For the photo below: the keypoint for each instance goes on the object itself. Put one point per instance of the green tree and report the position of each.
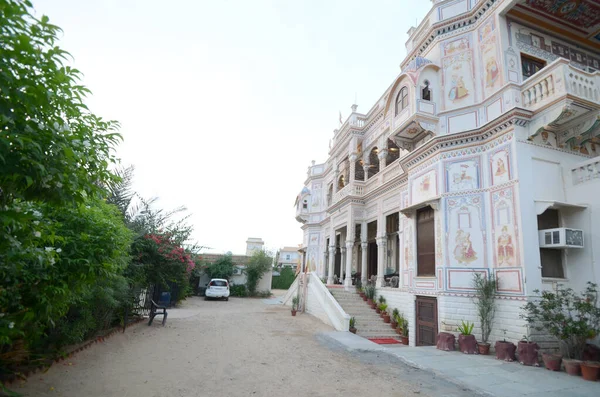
(259, 264)
(221, 268)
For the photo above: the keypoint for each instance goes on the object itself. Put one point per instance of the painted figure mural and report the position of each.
(458, 78)
(489, 58)
(457, 88)
(500, 165)
(506, 252)
(491, 72)
(462, 175)
(463, 250)
(424, 186)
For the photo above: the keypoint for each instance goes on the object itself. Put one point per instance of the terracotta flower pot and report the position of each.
(399, 331)
(505, 350)
(552, 361)
(393, 324)
(590, 370)
(467, 344)
(352, 329)
(484, 348)
(404, 340)
(378, 310)
(386, 318)
(445, 341)
(572, 367)
(293, 312)
(528, 353)
(364, 297)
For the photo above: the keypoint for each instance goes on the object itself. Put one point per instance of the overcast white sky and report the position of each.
(224, 103)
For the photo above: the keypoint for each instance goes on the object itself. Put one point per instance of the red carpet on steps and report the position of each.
(384, 341)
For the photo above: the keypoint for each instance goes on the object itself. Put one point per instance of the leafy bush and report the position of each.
(485, 288)
(569, 317)
(238, 290)
(221, 268)
(258, 265)
(284, 280)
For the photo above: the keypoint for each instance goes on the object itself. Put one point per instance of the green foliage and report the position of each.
(404, 327)
(383, 307)
(358, 285)
(259, 263)
(238, 290)
(352, 322)
(400, 320)
(381, 299)
(284, 280)
(221, 268)
(295, 301)
(466, 328)
(53, 148)
(485, 301)
(395, 313)
(370, 291)
(571, 318)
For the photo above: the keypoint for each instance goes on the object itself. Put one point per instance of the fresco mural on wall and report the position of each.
(463, 174)
(490, 58)
(458, 73)
(504, 230)
(465, 231)
(500, 167)
(424, 186)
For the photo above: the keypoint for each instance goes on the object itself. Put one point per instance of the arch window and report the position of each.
(426, 92)
(401, 100)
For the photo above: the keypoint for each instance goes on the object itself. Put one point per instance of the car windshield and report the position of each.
(218, 283)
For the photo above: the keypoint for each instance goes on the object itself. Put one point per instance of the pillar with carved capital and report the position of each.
(382, 155)
(342, 262)
(363, 268)
(331, 263)
(381, 256)
(349, 251)
(352, 160)
(325, 269)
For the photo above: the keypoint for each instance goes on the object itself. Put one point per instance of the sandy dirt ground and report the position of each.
(243, 347)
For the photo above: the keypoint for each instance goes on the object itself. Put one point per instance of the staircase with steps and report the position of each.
(368, 322)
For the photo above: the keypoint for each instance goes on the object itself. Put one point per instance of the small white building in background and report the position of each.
(254, 244)
(481, 157)
(288, 257)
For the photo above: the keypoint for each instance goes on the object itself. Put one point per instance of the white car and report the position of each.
(217, 288)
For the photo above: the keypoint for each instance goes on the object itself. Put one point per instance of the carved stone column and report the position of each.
(382, 155)
(325, 269)
(331, 264)
(349, 252)
(342, 262)
(381, 256)
(352, 165)
(363, 269)
(366, 169)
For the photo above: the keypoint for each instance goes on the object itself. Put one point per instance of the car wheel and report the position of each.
(227, 299)
(206, 298)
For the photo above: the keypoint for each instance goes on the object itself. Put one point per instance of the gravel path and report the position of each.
(243, 347)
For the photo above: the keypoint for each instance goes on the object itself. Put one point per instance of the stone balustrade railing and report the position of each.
(586, 171)
(558, 79)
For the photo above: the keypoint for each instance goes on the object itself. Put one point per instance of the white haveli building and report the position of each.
(490, 133)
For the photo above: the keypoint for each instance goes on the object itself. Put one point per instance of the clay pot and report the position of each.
(484, 348)
(528, 353)
(572, 367)
(399, 331)
(505, 350)
(404, 340)
(467, 344)
(364, 297)
(293, 312)
(352, 329)
(552, 361)
(445, 341)
(590, 370)
(393, 324)
(386, 319)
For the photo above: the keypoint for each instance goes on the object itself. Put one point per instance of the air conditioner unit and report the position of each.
(237, 270)
(561, 237)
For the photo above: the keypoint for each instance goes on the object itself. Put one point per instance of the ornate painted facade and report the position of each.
(491, 129)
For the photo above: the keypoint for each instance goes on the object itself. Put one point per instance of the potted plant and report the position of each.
(466, 340)
(590, 370)
(352, 325)
(505, 350)
(400, 321)
(381, 302)
(384, 314)
(358, 287)
(570, 317)
(404, 336)
(394, 318)
(552, 361)
(370, 294)
(295, 301)
(528, 352)
(485, 302)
